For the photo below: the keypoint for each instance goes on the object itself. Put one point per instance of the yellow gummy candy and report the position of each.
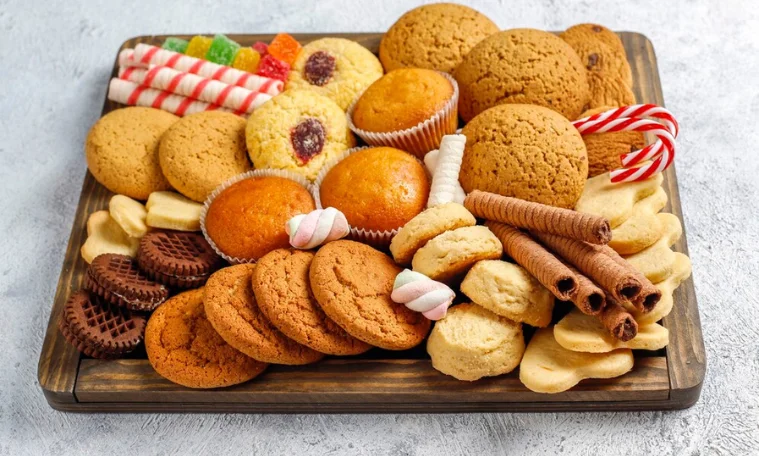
(198, 46)
(247, 60)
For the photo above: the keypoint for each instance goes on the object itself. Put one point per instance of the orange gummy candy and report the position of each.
(285, 48)
(247, 60)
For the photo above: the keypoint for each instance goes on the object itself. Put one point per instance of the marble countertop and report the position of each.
(56, 56)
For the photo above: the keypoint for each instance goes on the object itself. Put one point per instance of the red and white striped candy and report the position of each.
(130, 93)
(241, 100)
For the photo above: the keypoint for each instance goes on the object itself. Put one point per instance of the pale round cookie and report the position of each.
(472, 342)
(425, 226)
(449, 256)
(522, 66)
(233, 311)
(283, 293)
(352, 282)
(527, 152)
(203, 150)
(435, 36)
(184, 348)
(337, 68)
(122, 151)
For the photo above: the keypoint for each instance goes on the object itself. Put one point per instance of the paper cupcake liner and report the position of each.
(423, 137)
(240, 177)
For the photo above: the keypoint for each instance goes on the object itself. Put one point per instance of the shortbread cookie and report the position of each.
(510, 291)
(203, 150)
(129, 214)
(657, 261)
(118, 280)
(680, 272)
(615, 201)
(122, 150)
(472, 342)
(104, 235)
(643, 228)
(283, 294)
(605, 149)
(547, 367)
(425, 226)
(449, 256)
(184, 348)
(585, 333)
(233, 311)
(173, 211)
(352, 283)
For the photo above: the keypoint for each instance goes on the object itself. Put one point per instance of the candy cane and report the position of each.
(644, 110)
(129, 93)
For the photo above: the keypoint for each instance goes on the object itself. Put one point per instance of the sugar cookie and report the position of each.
(680, 272)
(656, 262)
(585, 333)
(173, 211)
(104, 235)
(643, 228)
(449, 256)
(129, 214)
(614, 201)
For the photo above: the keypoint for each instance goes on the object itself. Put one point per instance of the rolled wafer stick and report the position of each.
(621, 283)
(649, 293)
(539, 262)
(129, 93)
(589, 297)
(618, 321)
(539, 217)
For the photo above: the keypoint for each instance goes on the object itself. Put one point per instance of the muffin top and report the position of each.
(379, 188)
(436, 36)
(247, 219)
(401, 99)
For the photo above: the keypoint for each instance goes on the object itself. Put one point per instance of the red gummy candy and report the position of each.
(273, 68)
(261, 47)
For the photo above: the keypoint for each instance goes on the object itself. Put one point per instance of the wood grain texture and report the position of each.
(371, 383)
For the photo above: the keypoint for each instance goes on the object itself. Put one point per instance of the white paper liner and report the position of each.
(421, 138)
(240, 177)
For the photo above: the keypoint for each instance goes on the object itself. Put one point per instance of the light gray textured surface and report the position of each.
(55, 57)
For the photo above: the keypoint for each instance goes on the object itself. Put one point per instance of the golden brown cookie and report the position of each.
(522, 66)
(352, 282)
(203, 150)
(283, 293)
(184, 348)
(233, 311)
(436, 36)
(122, 150)
(527, 152)
(449, 256)
(604, 149)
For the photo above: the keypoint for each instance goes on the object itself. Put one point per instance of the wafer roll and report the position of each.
(649, 293)
(539, 262)
(619, 282)
(539, 217)
(589, 297)
(618, 321)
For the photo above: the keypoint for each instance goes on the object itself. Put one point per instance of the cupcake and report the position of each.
(410, 109)
(337, 68)
(297, 131)
(436, 37)
(245, 218)
(378, 189)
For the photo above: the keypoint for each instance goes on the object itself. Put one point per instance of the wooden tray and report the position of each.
(379, 381)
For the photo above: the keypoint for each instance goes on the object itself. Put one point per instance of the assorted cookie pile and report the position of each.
(317, 200)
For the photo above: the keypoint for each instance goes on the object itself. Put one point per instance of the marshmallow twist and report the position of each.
(444, 165)
(320, 226)
(422, 294)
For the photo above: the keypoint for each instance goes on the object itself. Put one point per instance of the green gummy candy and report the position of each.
(222, 50)
(175, 44)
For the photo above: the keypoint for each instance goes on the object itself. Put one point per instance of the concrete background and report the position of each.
(55, 57)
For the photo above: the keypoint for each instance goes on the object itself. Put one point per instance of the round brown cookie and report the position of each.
(99, 329)
(283, 293)
(435, 36)
(604, 149)
(184, 348)
(233, 311)
(522, 66)
(118, 280)
(122, 150)
(527, 152)
(352, 282)
(177, 258)
(202, 150)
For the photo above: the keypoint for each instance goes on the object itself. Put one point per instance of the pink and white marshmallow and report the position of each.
(318, 227)
(422, 294)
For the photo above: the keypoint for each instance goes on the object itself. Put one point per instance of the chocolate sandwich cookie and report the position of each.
(99, 329)
(118, 280)
(177, 259)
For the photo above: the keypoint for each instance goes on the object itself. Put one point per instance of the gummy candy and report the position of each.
(261, 47)
(198, 46)
(273, 68)
(175, 44)
(285, 48)
(222, 50)
(247, 60)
